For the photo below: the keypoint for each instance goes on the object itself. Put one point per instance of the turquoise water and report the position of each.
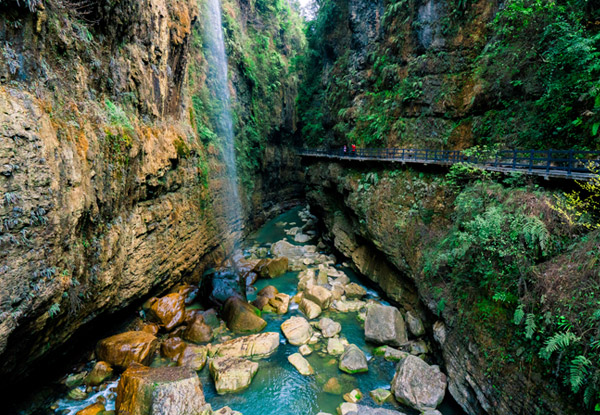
(278, 388)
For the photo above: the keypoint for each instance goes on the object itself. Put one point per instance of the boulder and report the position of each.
(337, 291)
(76, 379)
(125, 348)
(242, 317)
(286, 249)
(353, 396)
(418, 347)
(354, 291)
(333, 386)
(415, 325)
(172, 348)
(271, 268)
(353, 360)
(328, 327)
(309, 309)
(306, 279)
(198, 331)
(269, 291)
(301, 364)
(189, 292)
(232, 374)
(385, 325)
(335, 347)
(278, 304)
(160, 391)
(93, 409)
(99, 374)
(256, 346)
(380, 396)
(430, 411)
(226, 411)
(297, 330)
(417, 384)
(77, 394)
(348, 306)
(193, 357)
(319, 295)
(168, 311)
(322, 277)
(151, 328)
(301, 238)
(219, 286)
(305, 350)
(348, 408)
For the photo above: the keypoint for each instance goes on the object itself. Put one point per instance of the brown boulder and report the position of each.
(198, 331)
(160, 391)
(193, 357)
(151, 328)
(125, 348)
(99, 374)
(242, 317)
(168, 311)
(172, 348)
(271, 268)
(93, 409)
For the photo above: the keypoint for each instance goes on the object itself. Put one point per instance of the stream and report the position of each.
(278, 388)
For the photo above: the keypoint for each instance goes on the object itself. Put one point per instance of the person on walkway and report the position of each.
(354, 149)
(345, 149)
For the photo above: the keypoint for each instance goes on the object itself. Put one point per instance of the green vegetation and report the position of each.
(510, 261)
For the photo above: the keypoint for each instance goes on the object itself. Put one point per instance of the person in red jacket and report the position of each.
(353, 150)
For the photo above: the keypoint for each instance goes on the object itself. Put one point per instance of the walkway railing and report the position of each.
(569, 164)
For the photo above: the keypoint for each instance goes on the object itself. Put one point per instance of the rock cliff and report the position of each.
(112, 179)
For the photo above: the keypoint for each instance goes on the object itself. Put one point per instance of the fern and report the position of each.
(557, 342)
(530, 325)
(519, 314)
(579, 372)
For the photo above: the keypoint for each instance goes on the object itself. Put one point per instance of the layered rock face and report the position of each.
(372, 228)
(108, 190)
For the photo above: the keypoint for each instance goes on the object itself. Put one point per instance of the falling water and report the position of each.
(219, 86)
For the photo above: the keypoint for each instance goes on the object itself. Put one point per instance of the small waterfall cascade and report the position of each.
(218, 82)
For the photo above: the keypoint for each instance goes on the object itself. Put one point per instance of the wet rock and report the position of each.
(198, 331)
(415, 325)
(278, 304)
(309, 308)
(172, 348)
(232, 374)
(353, 360)
(269, 291)
(271, 268)
(394, 355)
(168, 311)
(257, 346)
(301, 238)
(297, 330)
(125, 348)
(322, 277)
(418, 347)
(439, 332)
(242, 317)
(189, 292)
(301, 364)
(260, 302)
(77, 394)
(333, 387)
(74, 380)
(348, 408)
(219, 286)
(385, 325)
(286, 249)
(348, 306)
(417, 384)
(328, 327)
(337, 291)
(335, 347)
(100, 372)
(353, 396)
(93, 409)
(354, 291)
(151, 328)
(160, 391)
(305, 350)
(193, 357)
(380, 396)
(226, 411)
(318, 295)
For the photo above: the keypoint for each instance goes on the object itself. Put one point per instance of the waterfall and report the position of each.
(218, 83)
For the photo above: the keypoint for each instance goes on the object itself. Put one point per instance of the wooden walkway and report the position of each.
(563, 164)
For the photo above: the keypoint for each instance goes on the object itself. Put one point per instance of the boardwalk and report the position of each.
(564, 164)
